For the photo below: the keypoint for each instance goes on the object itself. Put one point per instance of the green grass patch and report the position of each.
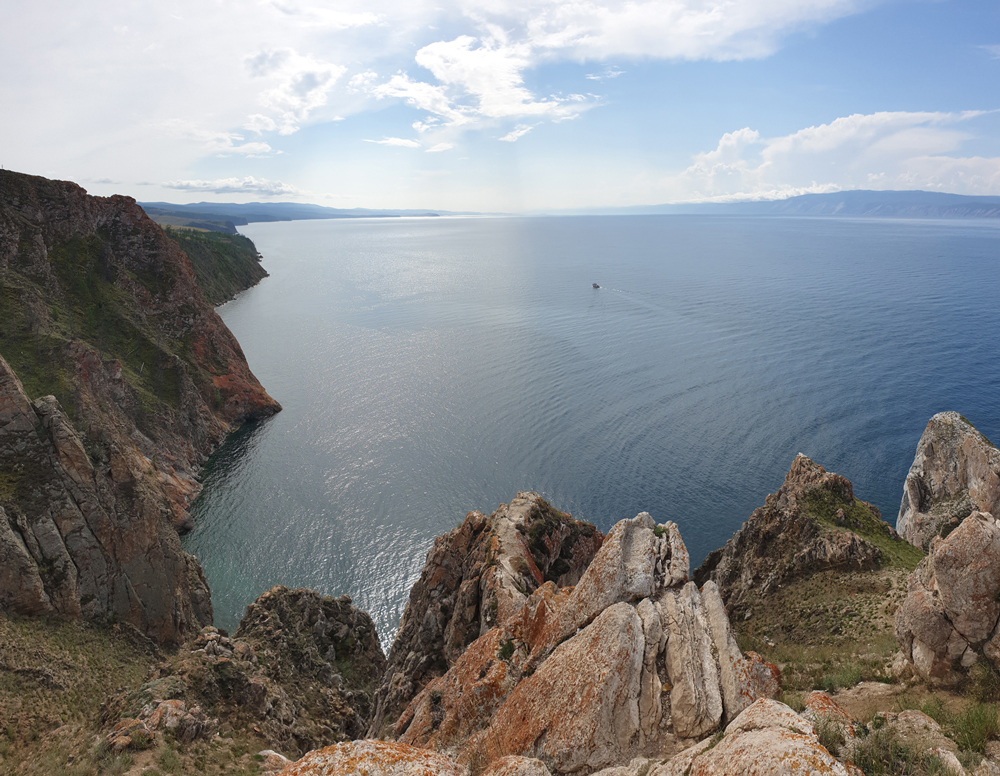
(859, 518)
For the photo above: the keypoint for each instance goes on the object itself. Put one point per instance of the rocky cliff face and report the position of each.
(956, 470)
(475, 577)
(812, 523)
(118, 378)
(633, 658)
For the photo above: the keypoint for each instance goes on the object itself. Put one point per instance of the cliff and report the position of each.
(223, 264)
(116, 379)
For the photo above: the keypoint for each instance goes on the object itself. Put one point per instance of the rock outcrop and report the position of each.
(118, 379)
(373, 758)
(766, 738)
(475, 577)
(950, 616)
(300, 671)
(956, 471)
(633, 658)
(813, 523)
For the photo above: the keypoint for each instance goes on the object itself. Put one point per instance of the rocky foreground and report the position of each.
(817, 641)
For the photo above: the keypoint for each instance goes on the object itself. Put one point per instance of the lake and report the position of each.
(432, 366)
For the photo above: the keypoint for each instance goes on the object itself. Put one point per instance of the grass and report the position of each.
(864, 520)
(882, 753)
(224, 264)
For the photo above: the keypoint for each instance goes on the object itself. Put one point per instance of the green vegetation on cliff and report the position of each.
(224, 264)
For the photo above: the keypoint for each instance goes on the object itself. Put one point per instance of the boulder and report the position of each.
(476, 577)
(767, 737)
(950, 614)
(373, 758)
(955, 471)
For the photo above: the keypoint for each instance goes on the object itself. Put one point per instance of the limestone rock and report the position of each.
(955, 471)
(812, 523)
(373, 758)
(475, 577)
(768, 737)
(916, 729)
(950, 613)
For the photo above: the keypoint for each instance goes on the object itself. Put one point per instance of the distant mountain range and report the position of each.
(883, 204)
(225, 217)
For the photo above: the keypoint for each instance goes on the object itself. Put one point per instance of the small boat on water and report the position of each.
(595, 285)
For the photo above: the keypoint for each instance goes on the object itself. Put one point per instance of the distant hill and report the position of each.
(226, 216)
(883, 204)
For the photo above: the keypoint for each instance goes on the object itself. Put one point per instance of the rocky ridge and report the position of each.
(812, 523)
(633, 658)
(476, 576)
(116, 379)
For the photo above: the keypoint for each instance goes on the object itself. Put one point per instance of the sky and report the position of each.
(497, 105)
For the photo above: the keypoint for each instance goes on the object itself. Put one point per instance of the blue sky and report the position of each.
(502, 106)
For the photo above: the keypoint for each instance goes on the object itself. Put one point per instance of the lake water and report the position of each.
(429, 367)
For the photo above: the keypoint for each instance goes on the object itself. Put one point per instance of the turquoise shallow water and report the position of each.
(429, 367)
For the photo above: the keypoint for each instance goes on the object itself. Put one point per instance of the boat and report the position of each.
(595, 285)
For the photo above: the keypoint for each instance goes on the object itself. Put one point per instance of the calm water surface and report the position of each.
(429, 367)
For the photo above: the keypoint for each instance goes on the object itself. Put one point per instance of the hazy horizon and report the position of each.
(503, 107)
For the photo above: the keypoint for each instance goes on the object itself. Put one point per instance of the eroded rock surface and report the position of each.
(949, 618)
(373, 758)
(475, 577)
(300, 670)
(768, 737)
(955, 471)
(813, 523)
(585, 677)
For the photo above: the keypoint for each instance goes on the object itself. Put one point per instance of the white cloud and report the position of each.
(362, 82)
(402, 142)
(887, 150)
(516, 133)
(440, 147)
(247, 185)
(993, 50)
(299, 84)
(217, 143)
(611, 72)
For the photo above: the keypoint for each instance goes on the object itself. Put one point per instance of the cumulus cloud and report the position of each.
(886, 150)
(516, 133)
(299, 85)
(402, 142)
(247, 185)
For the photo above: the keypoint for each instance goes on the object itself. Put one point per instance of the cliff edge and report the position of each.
(116, 379)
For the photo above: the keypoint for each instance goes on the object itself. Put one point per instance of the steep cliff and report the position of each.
(116, 379)
(223, 264)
